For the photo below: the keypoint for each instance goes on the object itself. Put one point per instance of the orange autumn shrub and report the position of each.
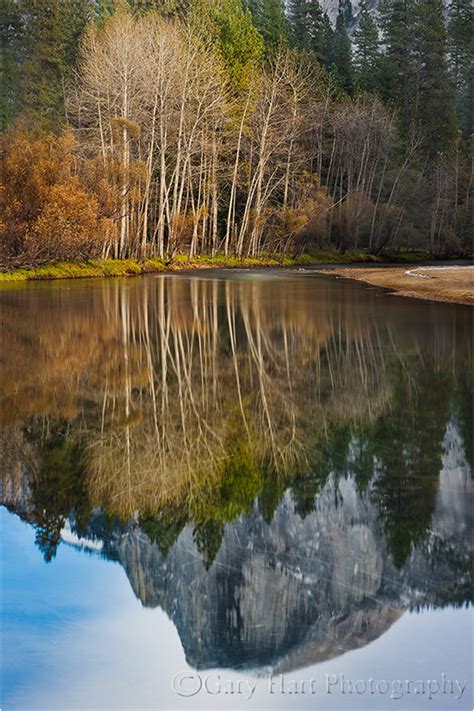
(67, 225)
(46, 211)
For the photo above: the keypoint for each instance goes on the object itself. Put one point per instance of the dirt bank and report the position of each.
(454, 283)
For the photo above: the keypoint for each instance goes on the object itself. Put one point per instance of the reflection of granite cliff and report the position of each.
(299, 591)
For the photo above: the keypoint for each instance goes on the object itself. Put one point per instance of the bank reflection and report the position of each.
(283, 465)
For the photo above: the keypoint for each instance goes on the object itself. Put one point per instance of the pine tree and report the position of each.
(11, 32)
(328, 41)
(460, 33)
(340, 56)
(399, 82)
(418, 83)
(231, 28)
(435, 96)
(298, 14)
(308, 23)
(345, 9)
(317, 30)
(366, 51)
(270, 19)
(51, 30)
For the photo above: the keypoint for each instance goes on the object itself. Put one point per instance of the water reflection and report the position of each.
(283, 465)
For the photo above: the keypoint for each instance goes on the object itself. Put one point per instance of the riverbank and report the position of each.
(134, 267)
(454, 284)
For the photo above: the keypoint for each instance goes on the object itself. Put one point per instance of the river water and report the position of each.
(228, 490)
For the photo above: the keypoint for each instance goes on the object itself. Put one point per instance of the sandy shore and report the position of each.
(452, 284)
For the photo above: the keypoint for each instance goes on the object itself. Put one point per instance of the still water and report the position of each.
(235, 490)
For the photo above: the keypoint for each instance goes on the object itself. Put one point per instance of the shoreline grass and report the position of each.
(135, 267)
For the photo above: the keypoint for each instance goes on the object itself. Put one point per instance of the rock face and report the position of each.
(331, 8)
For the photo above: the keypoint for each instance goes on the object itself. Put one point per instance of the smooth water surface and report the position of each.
(235, 490)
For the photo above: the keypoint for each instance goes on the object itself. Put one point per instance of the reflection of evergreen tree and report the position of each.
(164, 528)
(362, 464)
(408, 447)
(239, 485)
(59, 491)
(464, 410)
(333, 459)
(304, 489)
(272, 492)
(208, 537)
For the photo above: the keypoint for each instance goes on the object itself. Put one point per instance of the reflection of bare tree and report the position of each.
(212, 366)
(170, 380)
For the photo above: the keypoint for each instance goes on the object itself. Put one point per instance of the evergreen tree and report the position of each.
(317, 30)
(340, 55)
(328, 41)
(298, 14)
(230, 26)
(417, 80)
(460, 33)
(50, 35)
(366, 52)
(345, 9)
(435, 97)
(270, 19)
(167, 8)
(399, 85)
(11, 32)
(309, 25)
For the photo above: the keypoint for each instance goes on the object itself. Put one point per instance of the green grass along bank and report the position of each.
(135, 267)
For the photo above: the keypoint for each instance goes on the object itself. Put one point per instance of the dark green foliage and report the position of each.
(208, 536)
(164, 528)
(168, 8)
(409, 445)
(305, 488)
(270, 19)
(309, 27)
(11, 32)
(465, 413)
(396, 19)
(272, 492)
(345, 10)
(59, 491)
(318, 23)
(40, 41)
(298, 14)
(367, 52)
(416, 70)
(340, 56)
(460, 34)
(460, 38)
(434, 99)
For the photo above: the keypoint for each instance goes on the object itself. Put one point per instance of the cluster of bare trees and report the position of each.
(194, 164)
